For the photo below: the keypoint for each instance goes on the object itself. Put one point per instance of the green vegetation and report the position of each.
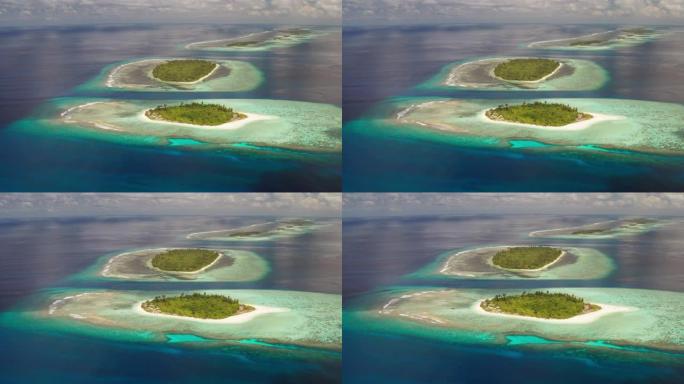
(538, 113)
(539, 304)
(183, 70)
(589, 231)
(246, 233)
(526, 69)
(184, 260)
(638, 31)
(586, 42)
(248, 43)
(199, 305)
(526, 257)
(195, 113)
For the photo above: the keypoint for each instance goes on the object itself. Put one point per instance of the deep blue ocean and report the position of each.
(43, 253)
(39, 64)
(379, 253)
(385, 62)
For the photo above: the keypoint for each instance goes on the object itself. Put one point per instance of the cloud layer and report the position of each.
(82, 204)
(190, 10)
(383, 204)
(527, 10)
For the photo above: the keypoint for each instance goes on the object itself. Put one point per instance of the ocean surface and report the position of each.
(39, 64)
(380, 253)
(40, 254)
(390, 62)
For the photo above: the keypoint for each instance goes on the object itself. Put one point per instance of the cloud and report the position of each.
(190, 10)
(248, 204)
(530, 10)
(370, 204)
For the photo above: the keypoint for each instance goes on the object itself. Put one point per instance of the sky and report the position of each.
(16, 205)
(17, 12)
(415, 204)
(542, 11)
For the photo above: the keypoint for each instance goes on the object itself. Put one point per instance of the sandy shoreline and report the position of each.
(577, 126)
(606, 309)
(237, 319)
(251, 117)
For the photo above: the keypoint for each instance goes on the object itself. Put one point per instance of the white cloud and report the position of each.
(70, 204)
(192, 10)
(371, 204)
(538, 10)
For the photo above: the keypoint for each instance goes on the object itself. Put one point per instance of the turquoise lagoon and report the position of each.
(134, 265)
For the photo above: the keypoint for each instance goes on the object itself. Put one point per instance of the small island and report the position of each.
(537, 113)
(526, 258)
(544, 305)
(533, 69)
(184, 71)
(196, 305)
(195, 113)
(184, 260)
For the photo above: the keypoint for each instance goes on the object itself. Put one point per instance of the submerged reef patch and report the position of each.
(137, 265)
(228, 76)
(627, 125)
(280, 317)
(575, 263)
(267, 124)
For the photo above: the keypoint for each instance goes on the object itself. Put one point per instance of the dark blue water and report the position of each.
(378, 253)
(390, 61)
(43, 63)
(42, 253)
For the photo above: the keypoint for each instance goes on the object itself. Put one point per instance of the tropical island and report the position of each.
(185, 260)
(184, 71)
(539, 304)
(265, 40)
(195, 113)
(526, 258)
(538, 113)
(196, 305)
(612, 228)
(602, 40)
(259, 232)
(527, 69)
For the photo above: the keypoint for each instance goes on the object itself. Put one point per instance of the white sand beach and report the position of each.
(606, 309)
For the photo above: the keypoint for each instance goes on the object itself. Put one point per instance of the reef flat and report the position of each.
(280, 317)
(630, 317)
(575, 263)
(259, 41)
(571, 75)
(268, 124)
(620, 38)
(259, 232)
(136, 265)
(624, 125)
(603, 230)
(228, 76)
